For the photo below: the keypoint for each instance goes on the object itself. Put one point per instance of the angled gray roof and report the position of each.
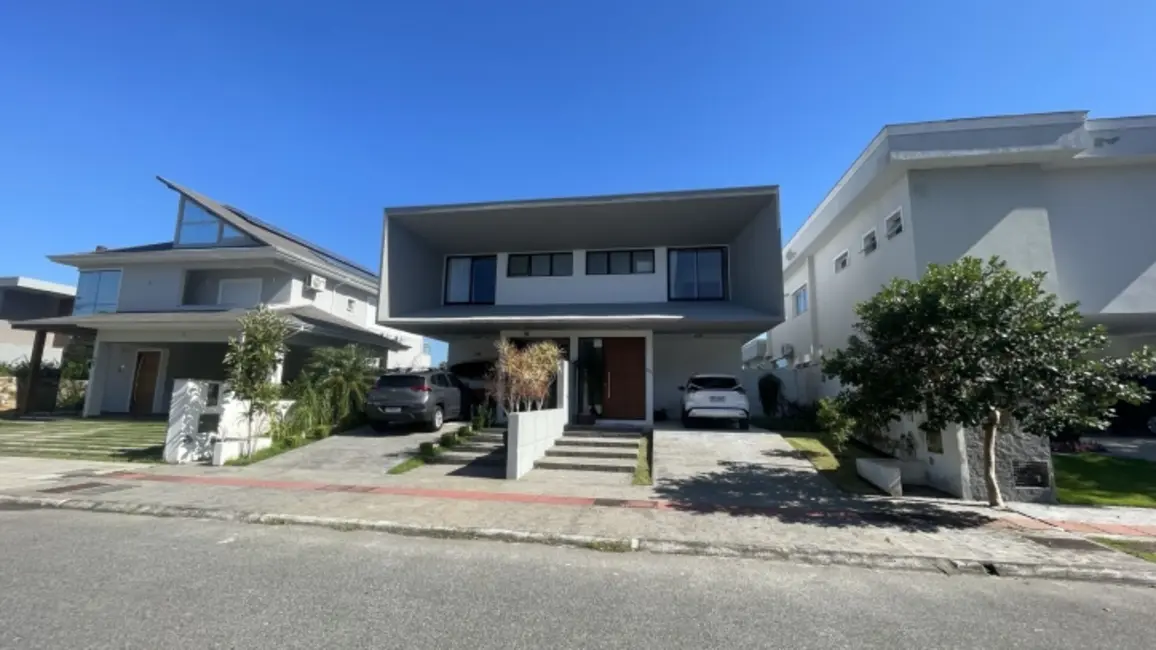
(308, 317)
(264, 232)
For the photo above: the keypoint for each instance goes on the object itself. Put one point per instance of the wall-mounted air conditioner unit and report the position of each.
(315, 282)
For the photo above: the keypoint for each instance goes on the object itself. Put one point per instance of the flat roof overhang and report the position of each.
(688, 317)
(690, 218)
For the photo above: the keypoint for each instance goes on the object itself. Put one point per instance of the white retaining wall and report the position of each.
(531, 433)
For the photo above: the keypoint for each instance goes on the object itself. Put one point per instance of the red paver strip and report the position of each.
(1117, 529)
(1077, 527)
(1145, 530)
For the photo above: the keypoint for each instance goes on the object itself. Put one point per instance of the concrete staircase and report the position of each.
(594, 449)
(584, 448)
(483, 449)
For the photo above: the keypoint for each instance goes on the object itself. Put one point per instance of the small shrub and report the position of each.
(834, 423)
(427, 450)
(481, 418)
(448, 440)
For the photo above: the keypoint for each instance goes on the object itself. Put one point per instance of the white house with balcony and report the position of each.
(165, 311)
(1058, 192)
(639, 290)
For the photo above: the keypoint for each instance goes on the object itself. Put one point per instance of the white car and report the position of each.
(715, 397)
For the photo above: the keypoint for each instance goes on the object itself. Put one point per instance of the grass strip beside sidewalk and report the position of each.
(1101, 480)
(839, 468)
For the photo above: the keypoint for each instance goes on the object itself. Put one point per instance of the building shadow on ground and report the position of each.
(800, 495)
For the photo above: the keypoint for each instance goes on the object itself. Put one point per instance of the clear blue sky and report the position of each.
(315, 114)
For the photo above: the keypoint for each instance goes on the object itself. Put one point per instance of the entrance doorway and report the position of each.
(611, 378)
(144, 382)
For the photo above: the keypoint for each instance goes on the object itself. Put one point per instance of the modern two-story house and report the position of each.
(165, 311)
(640, 290)
(1055, 192)
(24, 298)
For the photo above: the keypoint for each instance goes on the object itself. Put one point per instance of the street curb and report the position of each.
(932, 564)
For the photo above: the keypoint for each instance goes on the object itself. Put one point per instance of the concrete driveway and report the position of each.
(361, 451)
(723, 467)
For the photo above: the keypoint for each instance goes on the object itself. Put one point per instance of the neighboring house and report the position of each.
(165, 311)
(24, 298)
(640, 290)
(1056, 192)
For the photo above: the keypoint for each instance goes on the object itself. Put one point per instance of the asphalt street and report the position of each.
(84, 580)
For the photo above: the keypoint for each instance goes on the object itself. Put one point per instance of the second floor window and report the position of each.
(96, 292)
(697, 274)
(619, 262)
(471, 280)
(540, 264)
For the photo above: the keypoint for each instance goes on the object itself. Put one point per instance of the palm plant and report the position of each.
(343, 375)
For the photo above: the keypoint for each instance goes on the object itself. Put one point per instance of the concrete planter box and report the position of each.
(530, 434)
(226, 450)
(884, 473)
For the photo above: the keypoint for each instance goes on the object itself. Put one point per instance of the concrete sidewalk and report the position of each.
(913, 536)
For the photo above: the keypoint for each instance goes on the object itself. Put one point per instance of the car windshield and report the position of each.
(713, 383)
(400, 381)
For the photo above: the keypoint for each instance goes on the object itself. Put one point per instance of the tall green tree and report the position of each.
(253, 357)
(344, 375)
(976, 344)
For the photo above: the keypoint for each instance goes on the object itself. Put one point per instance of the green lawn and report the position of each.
(642, 466)
(104, 439)
(1142, 549)
(1098, 480)
(837, 468)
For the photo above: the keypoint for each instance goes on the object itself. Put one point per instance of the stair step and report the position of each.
(482, 446)
(587, 452)
(486, 437)
(466, 458)
(588, 464)
(574, 441)
(602, 433)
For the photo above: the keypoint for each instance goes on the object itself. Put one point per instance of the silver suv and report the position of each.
(428, 398)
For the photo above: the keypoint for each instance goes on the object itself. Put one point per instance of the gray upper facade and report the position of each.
(694, 261)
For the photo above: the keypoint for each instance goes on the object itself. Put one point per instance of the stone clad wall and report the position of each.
(7, 394)
(1012, 446)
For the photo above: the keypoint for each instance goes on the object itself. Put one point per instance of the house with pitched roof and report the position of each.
(165, 311)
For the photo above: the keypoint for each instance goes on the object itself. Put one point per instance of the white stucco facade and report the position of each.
(1058, 193)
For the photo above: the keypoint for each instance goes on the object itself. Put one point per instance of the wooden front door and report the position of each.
(144, 382)
(625, 388)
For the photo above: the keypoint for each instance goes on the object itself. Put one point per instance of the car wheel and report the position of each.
(744, 424)
(687, 422)
(436, 421)
(1152, 424)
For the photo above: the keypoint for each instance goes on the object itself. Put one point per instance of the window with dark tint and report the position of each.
(470, 280)
(440, 380)
(540, 265)
(619, 262)
(713, 383)
(697, 274)
(400, 381)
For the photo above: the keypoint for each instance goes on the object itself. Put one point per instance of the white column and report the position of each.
(94, 390)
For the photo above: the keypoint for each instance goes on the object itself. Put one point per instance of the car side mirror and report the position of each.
(682, 388)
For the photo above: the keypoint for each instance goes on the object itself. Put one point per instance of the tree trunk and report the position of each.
(990, 431)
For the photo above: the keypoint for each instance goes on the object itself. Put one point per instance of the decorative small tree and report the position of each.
(251, 360)
(976, 344)
(522, 378)
(344, 374)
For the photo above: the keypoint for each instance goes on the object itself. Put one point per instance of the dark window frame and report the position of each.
(726, 273)
(473, 260)
(633, 252)
(530, 266)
